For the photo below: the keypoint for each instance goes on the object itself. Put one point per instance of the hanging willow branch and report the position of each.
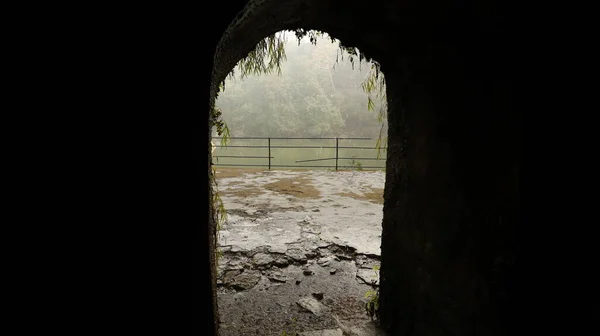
(269, 53)
(265, 58)
(374, 87)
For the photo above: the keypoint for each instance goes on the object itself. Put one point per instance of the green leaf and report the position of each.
(370, 104)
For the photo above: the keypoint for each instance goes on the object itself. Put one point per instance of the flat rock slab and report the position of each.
(326, 261)
(277, 276)
(275, 218)
(296, 254)
(326, 332)
(313, 305)
(246, 279)
(368, 276)
(269, 236)
(262, 259)
(366, 330)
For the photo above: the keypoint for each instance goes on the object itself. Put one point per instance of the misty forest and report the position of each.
(298, 174)
(317, 91)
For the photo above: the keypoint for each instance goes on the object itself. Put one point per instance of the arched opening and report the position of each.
(451, 193)
(301, 181)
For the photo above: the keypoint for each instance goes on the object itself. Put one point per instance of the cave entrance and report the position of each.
(299, 166)
(452, 203)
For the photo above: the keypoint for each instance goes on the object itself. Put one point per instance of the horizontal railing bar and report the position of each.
(239, 146)
(293, 166)
(242, 156)
(315, 160)
(264, 165)
(241, 165)
(302, 166)
(261, 146)
(265, 138)
(361, 147)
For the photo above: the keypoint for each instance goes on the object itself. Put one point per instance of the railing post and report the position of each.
(269, 153)
(336, 153)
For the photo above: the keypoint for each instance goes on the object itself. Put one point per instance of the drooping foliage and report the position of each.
(303, 102)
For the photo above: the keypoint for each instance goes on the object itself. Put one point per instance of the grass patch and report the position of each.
(226, 172)
(373, 196)
(243, 192)
(299, 187)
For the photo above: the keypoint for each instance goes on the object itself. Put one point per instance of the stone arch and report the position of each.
(451, 195)
(261, 18)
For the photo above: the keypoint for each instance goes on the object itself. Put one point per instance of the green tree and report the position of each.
(317, 96)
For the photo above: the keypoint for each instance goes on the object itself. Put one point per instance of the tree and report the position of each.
(317, 96)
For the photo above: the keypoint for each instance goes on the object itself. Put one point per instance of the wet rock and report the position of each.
(322, 243)
(360, 260)
(326, 261)
(369, 329)
(246, 280)
(235, 264)
(323, 252)
(236, 249)
(225, 248)
(343, 252)
(318, 296)
(306, 220)
(259, 249)
(324, 332)
(261, 212)
(311, 304)
(306, 270)
(298, 282)
(229, 276)
(368, 276)
(311, 229)
(281, 262)
(309, 235)
(277, 249)
(363, 261)
(262, 259)
(238, 296)
(277, 276)
(316, 210)
(296, 254)
(332, 271)
(311, 254)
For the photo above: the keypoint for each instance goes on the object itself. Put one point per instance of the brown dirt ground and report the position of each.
(298, 187)
(246, 192)
(229, 172)
(374, 196)
(222, 172)
(302, 189)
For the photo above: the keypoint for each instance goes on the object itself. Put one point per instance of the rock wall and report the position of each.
(451, 195)
(452, 181)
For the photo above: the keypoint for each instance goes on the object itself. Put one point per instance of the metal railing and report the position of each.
(269, 157)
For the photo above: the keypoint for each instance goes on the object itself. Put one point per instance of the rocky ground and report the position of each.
(299, 252)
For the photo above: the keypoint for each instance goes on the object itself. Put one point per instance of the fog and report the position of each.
(314, 96)
(318, 94)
